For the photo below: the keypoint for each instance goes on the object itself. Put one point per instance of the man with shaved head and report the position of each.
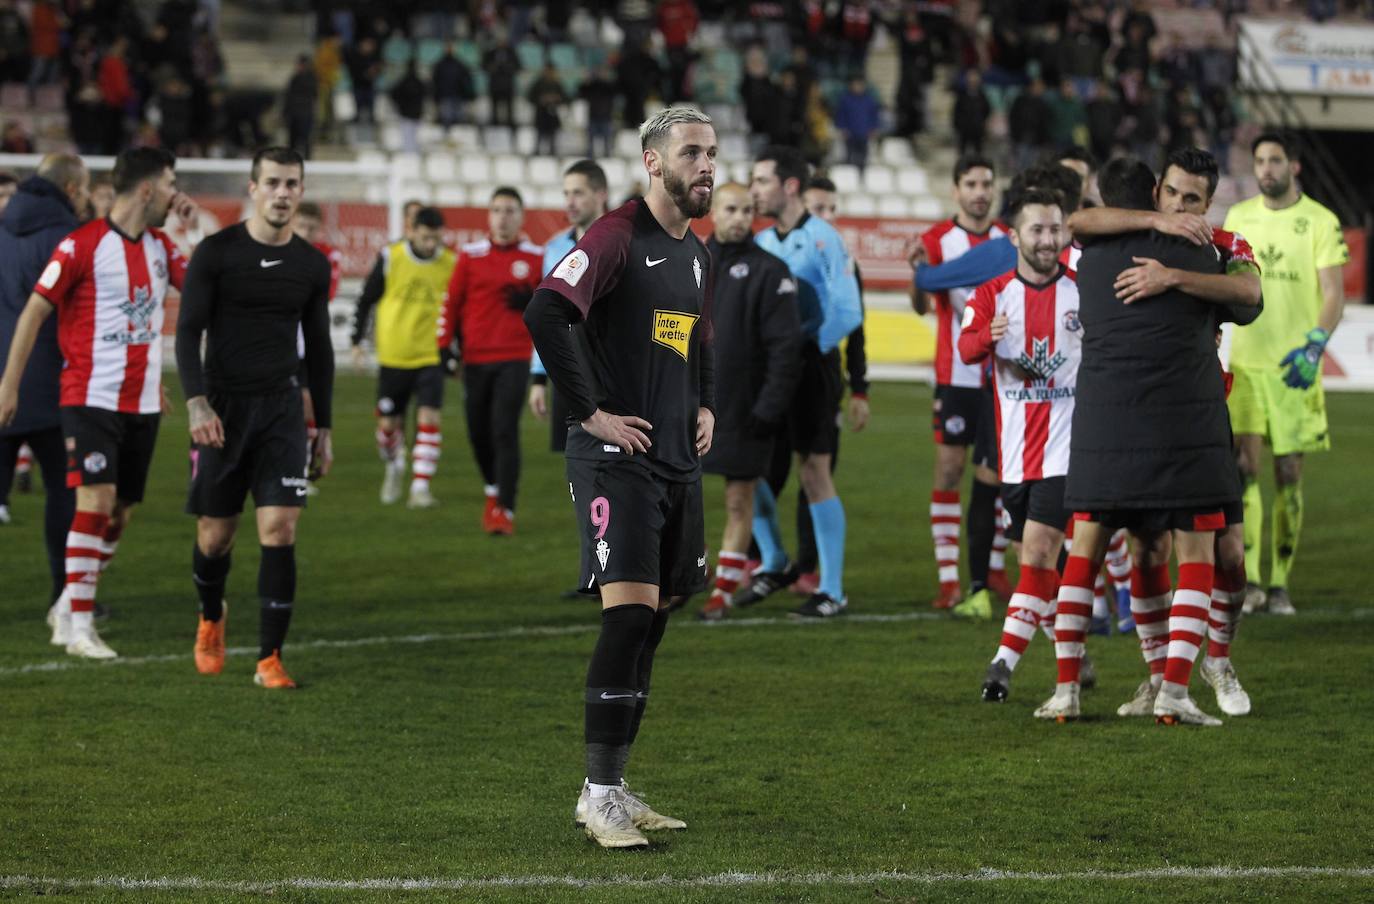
(757, 341)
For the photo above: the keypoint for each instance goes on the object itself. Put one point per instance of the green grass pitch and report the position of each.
(445, 744)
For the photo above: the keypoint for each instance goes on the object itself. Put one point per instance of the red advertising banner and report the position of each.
(879, 245)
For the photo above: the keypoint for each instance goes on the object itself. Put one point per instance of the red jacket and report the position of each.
(485, 305)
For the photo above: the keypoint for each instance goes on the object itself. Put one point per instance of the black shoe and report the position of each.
(1087, 674)
(574, 594)
(763, 585)
(821, 605)
(102, 612)
(997, 684)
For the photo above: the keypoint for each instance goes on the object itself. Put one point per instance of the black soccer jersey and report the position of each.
(644, 297)
(251, 297)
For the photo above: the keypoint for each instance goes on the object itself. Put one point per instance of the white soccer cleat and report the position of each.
(1255, 599)
(1231, 697)
(88, 645)
(420, 497)
(5, 514)
(1062, 706)
(1279, 602)
(391, 481)
(643, 816)
(1181, 710)
(1142, 704)
(60, 621)
(609, 824)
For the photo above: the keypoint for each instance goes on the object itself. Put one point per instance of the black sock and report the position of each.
(612, 689)
(807, 557)
(277, 591)
(646, 668)
(210, 576)
(982, 514)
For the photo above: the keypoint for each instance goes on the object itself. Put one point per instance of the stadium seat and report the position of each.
(465, 136)
(544, 171)
(565, 58)
(859, 205)
(878, 180)
(389, 136)
(474, 168)
(577, 114)
(627, 143)
(548, 198)
(509, 170)
(893, 206)
(407, 166)
(845, 177)
(615, 173)
(733, 146)
(440, 167)
(497, 140)
(928, 209)
(451, 196)
(373, 157)
(912, 180)
(896, 151)
(375, 192)
(524, 139)
(531, 54)
(430, 134)
(415, 188)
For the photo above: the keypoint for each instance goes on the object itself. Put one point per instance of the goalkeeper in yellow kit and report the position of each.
(1277, 396)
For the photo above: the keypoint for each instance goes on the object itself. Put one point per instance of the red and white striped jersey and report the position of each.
(109, 291)
(1070, 255)
(1035, 368)
(943, 243)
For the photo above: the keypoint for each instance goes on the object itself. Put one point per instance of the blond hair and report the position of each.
(654, 131)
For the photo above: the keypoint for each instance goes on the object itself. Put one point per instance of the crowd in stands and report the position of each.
(1027, 74)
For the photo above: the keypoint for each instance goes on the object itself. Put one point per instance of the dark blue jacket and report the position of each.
(38, 217)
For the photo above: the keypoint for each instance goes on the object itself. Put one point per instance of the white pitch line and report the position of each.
(62, 665)
(718, 880)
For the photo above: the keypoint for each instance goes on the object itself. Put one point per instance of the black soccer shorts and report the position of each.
(815, 411)
(1041, 501)
(109, 447)
(265, 453)
(636, 526)
(396, 385)
(1161, 520)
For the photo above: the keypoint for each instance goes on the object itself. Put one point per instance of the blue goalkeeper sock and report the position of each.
(767, 534)
(828, 519)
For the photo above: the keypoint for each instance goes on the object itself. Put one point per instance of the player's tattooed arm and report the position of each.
(206, 429)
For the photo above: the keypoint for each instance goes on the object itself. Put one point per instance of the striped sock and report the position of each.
(109, 543)
(1072, 616)
(389, 442)
(1187, 622)
(425, 455)
(83, 565)
(945, 515)
(1228, 595)
(1150, 591)
(24, 462)
(997, 559)
(1100, 610)
(1119, 560)
(729, 574)
(1029, 605)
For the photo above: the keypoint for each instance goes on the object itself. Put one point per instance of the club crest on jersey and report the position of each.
(572, 267)
(139, 310)
(696, 271)
(673, 329)
(94, 463)
(603, 553)
(740, 270)
(519, 269)
(160, 269)
(1071, 321)
(787, 286)
(1040, 363)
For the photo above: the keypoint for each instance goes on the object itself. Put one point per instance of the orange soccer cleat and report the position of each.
(950, 596)
(502, 522)
(272, 674)
(210, 644)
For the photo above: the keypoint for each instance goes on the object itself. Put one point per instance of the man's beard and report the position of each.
(1033, 260)
(1279, 188)
(681, 193)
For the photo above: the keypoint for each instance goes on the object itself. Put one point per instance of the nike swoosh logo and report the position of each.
(266, 263)
(606, 696)
(649, 263)
(301, 492)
